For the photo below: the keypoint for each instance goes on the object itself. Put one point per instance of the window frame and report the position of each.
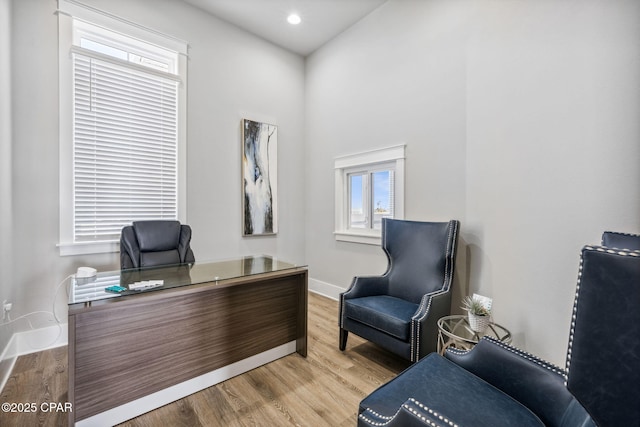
(68, 11)
(390, 158)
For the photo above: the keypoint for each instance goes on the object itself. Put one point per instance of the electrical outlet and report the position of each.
(6, 308)
(485, 301)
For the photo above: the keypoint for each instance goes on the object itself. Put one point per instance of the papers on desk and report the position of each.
(145, 284)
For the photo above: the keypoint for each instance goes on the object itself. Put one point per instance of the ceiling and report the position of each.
(322, 20)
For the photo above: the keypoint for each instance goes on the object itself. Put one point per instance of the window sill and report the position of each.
(70, 249)
(353, 237)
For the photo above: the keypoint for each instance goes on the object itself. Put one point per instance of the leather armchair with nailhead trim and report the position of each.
(497, 385)
(399, 309)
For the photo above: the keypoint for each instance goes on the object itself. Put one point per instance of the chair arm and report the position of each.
(432, 307)
(411, 414)
(537, 384)
(364, 286)
(129, 249)
(184, 248)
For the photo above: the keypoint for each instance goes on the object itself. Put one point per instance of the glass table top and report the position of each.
(86, 290)
(457, 327)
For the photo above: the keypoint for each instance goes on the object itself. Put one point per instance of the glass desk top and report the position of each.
(87, 290)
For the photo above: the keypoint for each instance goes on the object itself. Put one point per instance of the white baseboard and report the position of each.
(42, 339)
(325, 289)
(27, 342)
(7, 361)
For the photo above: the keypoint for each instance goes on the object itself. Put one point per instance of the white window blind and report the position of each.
(125, 143)
(383, 197)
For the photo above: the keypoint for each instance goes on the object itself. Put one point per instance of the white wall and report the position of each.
(520, 119)
(553, 152)
(5, 163)
(231, 75)
(375, 86)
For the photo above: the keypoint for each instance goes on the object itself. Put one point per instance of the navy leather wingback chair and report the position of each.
(153, 243)
(496, 385)
(399, 309)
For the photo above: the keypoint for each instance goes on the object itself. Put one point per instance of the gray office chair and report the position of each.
(399, 309)
(155, 243)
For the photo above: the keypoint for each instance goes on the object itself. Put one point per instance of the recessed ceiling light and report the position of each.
(294, 19)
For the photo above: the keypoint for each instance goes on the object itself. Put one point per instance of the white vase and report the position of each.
(477, 323)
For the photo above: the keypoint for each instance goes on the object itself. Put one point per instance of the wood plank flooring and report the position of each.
(322, 390)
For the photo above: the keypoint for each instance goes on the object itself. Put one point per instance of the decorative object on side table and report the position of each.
(479, 311)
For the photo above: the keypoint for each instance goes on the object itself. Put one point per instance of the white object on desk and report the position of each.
(84, 272)
(145, 284)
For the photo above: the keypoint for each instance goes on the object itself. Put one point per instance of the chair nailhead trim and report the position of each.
(370, 421)
(377, 415)
(430, 411)
(528, 356)
(380, 415)
(457, 351)
(412, 411)
(414, 351)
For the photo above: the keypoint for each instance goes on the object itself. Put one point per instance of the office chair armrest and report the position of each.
(184, 248)
(364, 286)
(537, 384)
(129, 249)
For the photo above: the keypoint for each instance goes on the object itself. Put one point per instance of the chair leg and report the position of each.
(343, 339)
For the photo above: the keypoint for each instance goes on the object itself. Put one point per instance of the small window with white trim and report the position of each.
(369, 187)
(122, 128)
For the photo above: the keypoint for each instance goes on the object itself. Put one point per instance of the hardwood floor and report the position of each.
(322, 390)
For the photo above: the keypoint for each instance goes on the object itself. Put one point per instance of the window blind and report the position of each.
(382, 195)
(125, 147)
(392, 196)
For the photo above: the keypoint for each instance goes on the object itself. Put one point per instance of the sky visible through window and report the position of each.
(380, 191)
(124, 55)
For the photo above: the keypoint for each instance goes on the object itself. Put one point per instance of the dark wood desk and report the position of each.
(132, 353)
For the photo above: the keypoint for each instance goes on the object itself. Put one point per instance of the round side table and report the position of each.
(454, 331)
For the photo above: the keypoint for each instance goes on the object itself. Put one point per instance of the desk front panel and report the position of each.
(134, 347)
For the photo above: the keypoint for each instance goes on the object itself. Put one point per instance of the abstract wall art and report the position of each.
(259, 178)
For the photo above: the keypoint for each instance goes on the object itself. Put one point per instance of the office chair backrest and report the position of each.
(420, 256)
(613, 239)
(153, 243)
(603, 359)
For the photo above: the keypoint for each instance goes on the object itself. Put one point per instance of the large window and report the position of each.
(122, 136)
(369, 187)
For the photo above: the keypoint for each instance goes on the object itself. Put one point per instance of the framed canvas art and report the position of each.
(259, 178)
